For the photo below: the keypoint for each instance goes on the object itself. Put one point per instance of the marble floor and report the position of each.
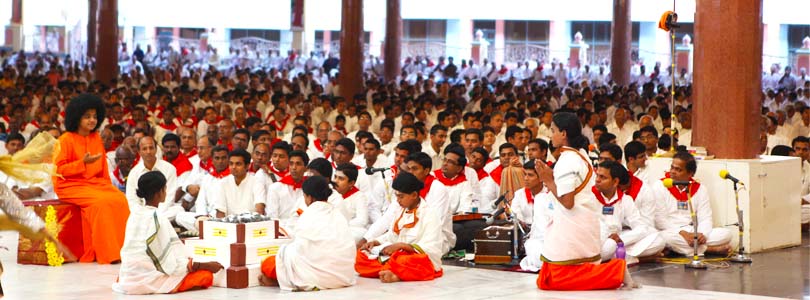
(91, 281)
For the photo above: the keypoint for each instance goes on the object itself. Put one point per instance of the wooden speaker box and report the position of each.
(68, 225)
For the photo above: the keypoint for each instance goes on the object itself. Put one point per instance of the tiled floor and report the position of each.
(785, 278)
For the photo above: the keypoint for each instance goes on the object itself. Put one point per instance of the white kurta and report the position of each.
(355, 209)
(281, 200)
(138, 275)
(676, 217)
(521, 206)
(573, 233)
(639, 239)
(426, 233)
(231, 198)
(322, 253)
(164, 167)
(541, 218)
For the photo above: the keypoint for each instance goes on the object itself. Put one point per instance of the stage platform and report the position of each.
(782, 273)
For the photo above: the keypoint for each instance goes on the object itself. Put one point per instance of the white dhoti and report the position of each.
(675, 242)
(647, 246)
(532, 262)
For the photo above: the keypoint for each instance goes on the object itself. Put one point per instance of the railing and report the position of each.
(424, 49)
(525, 52)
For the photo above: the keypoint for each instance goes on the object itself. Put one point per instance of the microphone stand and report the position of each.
(696, 262)
(740, 257)
(515, 239)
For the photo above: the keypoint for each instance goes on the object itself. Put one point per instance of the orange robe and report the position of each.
(104, 207)
(407, 266)
(582, 277)
(200, 279)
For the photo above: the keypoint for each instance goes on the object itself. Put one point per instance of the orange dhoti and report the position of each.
(581, 277)
(104, 208)
(200, 279)
(407, 266)
(269, 267)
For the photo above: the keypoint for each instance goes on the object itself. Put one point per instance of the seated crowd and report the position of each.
(383, 172)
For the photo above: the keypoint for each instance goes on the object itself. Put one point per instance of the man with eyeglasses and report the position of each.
(649, 136)
(461, 195)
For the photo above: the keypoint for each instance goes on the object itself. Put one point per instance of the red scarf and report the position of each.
(681, 195)
(208, 166)
(342, 129)
(252, 167)
(169, 127)
(350, 192)
(34, 122)
(496, 174)
(503, 70)
(481, 173)
(394, 170)
(288, 180)
(193, 121)
(635, 187)
(283, 124)
(601, 198)
(428, 182)
(279, 174)
(221, 175)
(449, 181)
(181, 164)
(192, 152)
(117, 174)
(529, 196)
(318, 146)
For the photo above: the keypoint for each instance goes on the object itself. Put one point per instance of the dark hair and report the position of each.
(781, 150)
(218, 148)
(420, 158)
(306, 139)
(605, 138)
(346, 143)
(511, 131)
(240, 153)
(455, 136)
(170, 137)
(483, 152)
(541, 143)
(317, 187)
(529, 165)
(457, 150)
(601, 127)
(149, 184)
(322, 166)
(284, 146)
(349, 169)
(509, 146)
(259, 133)
(374, 142)
(412, 146)
(475, 131)
(691, 164)
(78, 106)
(15, 136)
(436, 128)
(569, 123)
(799, 139)
(613, 149)
(243, 131)
(649, 129)
(633, 149)
(665, 142)
(301, 154)
(616, 171)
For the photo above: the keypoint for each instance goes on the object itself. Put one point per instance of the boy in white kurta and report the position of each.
(321, 255)
(153, 260)
(541, 216)
(350, 201)
(412, 249)
(239, 192)
(283, 196)
(619, 212)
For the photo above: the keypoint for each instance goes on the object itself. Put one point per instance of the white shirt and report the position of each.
(47, 187)
(164, 167)
(426, 233)
(282, 200)
(624, 135)
(675, 215)
(355, 209)
(231, 198)
(521, 206)
(322, 253)
(622, 214)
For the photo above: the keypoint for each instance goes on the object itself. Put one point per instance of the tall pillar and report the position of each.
(500, 42)
(351, 49)
(774, 45)
(107, 53)
(393, 39)
(559, 40)
(734, 89)
(621, 38)
(92, 27)
(14, 31)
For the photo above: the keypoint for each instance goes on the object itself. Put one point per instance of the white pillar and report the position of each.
(654, 45)
(774, 45)
(559, 40)
(286, 42)
(459, 39)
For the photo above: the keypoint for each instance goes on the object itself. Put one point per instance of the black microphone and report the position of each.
(370, 171)
(495, 215)
(498, 202)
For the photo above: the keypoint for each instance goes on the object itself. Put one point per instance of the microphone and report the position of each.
(498, 202)
(725, 175)
(668, 182)
(370, 171)
(495, 215)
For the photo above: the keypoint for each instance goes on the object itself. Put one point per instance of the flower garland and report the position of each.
(54, 258)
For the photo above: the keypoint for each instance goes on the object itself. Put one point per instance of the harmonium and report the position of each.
(238, 243)
(495, 245)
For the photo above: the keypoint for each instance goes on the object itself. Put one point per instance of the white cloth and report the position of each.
(639, 238)
(168, 208)
(138, 274)
(426, 233)
(281, 201)
(231, 198)
(573, 233)
(521, 206)
(322, 253)
(354, 209)
(541, 217)
(624, 135)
